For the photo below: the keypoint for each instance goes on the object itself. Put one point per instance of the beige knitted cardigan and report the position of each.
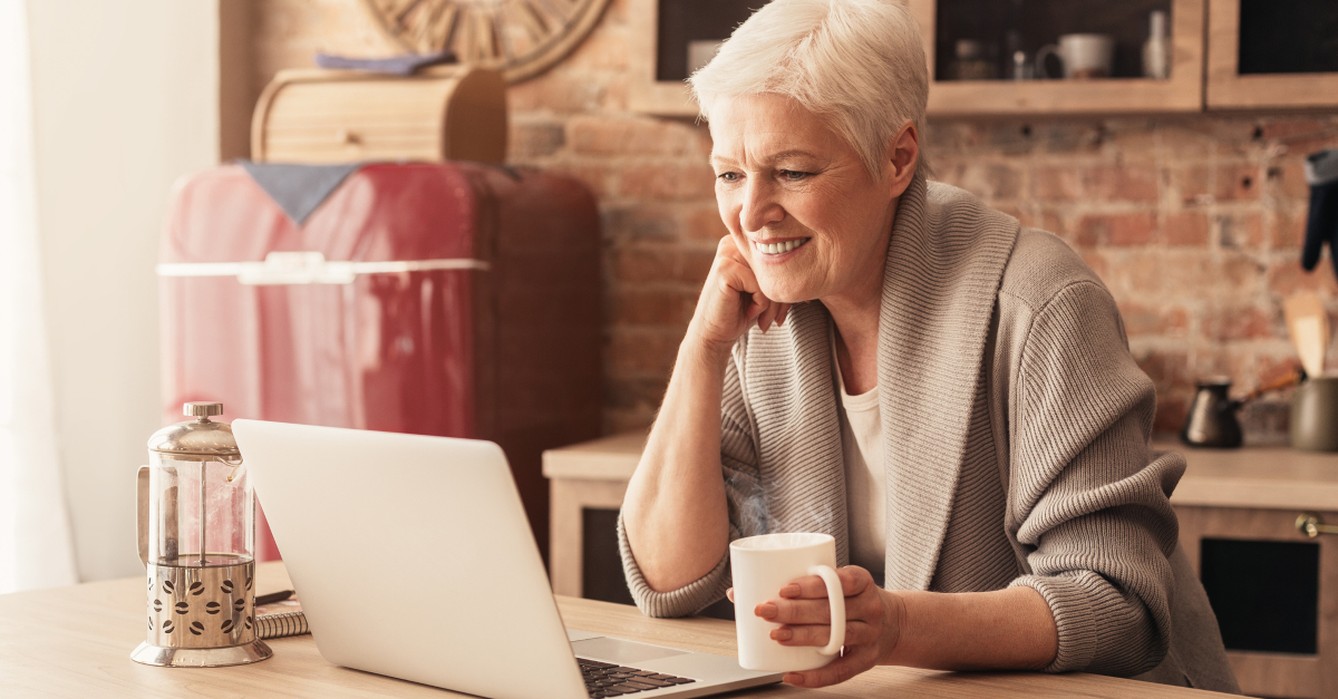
(1015, 428)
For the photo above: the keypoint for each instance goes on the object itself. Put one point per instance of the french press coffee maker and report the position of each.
(197, 541)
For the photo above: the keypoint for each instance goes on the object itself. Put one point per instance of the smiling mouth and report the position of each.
(780, 248)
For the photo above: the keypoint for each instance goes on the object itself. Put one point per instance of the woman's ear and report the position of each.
(903, 155)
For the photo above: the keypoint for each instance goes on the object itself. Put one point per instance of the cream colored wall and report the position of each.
(126, 101)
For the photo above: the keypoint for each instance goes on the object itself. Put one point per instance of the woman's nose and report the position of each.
(760, 208)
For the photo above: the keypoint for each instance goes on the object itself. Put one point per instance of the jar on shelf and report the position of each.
(970, 61)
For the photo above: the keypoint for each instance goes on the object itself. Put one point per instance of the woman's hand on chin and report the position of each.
(731, 300)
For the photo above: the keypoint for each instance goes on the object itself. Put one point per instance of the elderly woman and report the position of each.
(887, 360)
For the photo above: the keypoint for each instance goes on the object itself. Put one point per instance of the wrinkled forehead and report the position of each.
(766, 123)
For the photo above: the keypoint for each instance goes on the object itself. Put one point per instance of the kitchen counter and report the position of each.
(594, 474)
(1265, 477)
(1258, 477)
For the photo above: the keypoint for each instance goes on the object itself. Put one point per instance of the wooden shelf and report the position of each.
(1182, 92)
(1204, 75)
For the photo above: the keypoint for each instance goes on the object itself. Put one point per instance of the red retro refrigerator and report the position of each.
(453, 299)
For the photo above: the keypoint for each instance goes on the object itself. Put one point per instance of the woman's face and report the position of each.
(799, 202)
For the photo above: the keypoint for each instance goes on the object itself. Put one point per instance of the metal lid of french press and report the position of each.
(201, 437)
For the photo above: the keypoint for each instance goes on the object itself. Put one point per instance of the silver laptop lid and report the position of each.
(413, 557)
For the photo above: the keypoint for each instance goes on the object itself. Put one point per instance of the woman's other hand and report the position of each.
(731, 300)
(873, 625)
(1010, 628)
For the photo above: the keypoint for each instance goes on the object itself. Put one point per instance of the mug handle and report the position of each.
(837, 599)
(1042, 67)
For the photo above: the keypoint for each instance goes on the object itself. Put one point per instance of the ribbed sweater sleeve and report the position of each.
(1091, 507)
(791, 482)
(684, 601)
(739, 469)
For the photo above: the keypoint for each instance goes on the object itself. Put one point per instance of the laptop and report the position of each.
(413, 558)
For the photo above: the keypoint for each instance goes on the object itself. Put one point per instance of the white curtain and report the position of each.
(35, 543)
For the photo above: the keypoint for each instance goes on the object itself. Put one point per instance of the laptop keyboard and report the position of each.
(609, 680)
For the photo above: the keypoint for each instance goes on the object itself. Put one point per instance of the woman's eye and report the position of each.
(728, 177)
(794, 175)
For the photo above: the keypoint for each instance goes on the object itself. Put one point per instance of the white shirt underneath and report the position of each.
(866, 481)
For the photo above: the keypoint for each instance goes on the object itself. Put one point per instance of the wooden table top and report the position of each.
(76, 642)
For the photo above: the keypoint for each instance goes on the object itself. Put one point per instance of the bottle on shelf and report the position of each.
(1015, 64)
(1157, 48)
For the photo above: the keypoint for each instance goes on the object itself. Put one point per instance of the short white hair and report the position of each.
(859, 64)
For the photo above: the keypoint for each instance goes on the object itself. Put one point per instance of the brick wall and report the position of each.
(1194, 222)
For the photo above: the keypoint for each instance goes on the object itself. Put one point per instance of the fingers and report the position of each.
(854, 581)
(771, 314)
(733, 297)
(796, 611)
(804, 601)
(851, 662)
(817, 611)
(804, 613)
(857, 633)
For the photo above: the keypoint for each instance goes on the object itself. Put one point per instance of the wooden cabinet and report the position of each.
(1274, 589)
(1211, 64)
(1275, 593)
(586, 486)
(666, 31)
(943, 22)
(1260, 56)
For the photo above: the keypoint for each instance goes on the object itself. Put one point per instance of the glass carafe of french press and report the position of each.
(197, 540)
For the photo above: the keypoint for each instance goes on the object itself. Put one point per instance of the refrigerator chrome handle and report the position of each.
(288, 268)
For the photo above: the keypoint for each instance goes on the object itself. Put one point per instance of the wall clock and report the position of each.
(521, 38)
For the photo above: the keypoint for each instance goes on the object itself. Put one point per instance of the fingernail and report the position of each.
(793, 678)
(766, 610)
(790, 591)
(781, 634)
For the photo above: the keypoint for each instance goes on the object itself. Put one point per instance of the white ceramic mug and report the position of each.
(762, 565)
(1082, 56)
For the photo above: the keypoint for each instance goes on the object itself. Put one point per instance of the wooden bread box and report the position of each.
(338, 116)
